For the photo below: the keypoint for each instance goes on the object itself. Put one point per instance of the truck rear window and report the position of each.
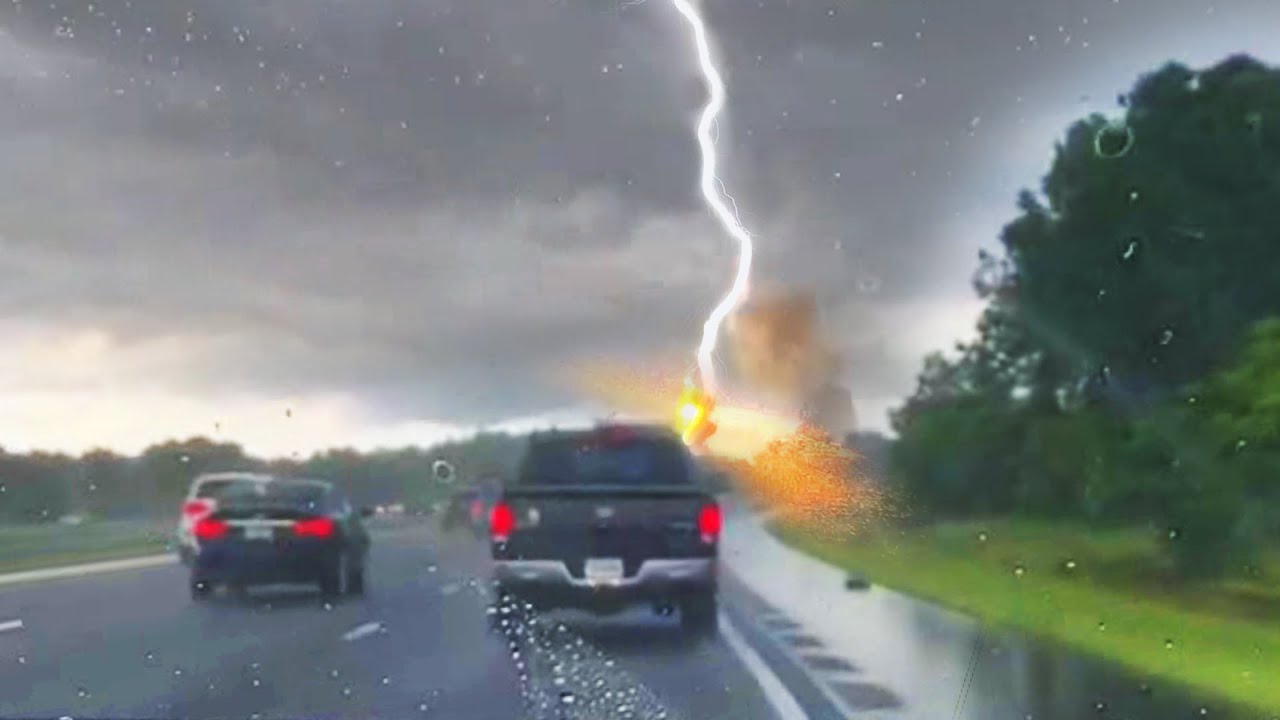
(642, 461)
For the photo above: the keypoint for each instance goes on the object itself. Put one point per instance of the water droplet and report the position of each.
(1130, 249)
(1019, 570)
(1166, 337)
(333, 673)
(422, 707)
(1168, 644)
(982, 537)
(82, 693)
(346, 692)
(328, 606)
(1113, 140)
(1070, 564)
(385, 680)
(22, 659)
(177, 672)
(1102, 625)
(1240, 444)
(431, 568)
(1134, 196)
(257, 682)
(1174, 533)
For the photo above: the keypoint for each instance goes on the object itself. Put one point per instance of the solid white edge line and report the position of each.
(87, 569)
(10, 625)
(784, 703)
(360, 631)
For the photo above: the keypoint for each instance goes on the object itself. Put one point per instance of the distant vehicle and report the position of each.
(285, 531)
(202, 499)
(607, 518)
(469, 507)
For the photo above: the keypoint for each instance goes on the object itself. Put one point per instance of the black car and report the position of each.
(286, 531)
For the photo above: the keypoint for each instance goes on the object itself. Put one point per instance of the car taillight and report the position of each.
(211, 529)
(502, 522)
(321, 527)
(196, 508)
(709, 523)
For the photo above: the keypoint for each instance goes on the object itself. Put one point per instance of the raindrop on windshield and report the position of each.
(1019, 570)
(22, 659)
(982, 537)
(567, 697)
(385, 680)
(82, 693)
(1166, 337)
(1130, 249)
(346, 692)
(1102, 625)
(1168, 644)
(1113, 140)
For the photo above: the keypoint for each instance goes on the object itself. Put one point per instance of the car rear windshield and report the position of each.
(217, 488)
(296, 496)
(584, 461)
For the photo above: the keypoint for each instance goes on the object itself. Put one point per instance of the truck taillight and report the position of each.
(709, 522)
(502, 522)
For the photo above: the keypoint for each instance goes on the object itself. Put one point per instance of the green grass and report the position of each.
(1106, 593)
(27, 547)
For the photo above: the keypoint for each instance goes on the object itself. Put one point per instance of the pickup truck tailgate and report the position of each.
(572, 524)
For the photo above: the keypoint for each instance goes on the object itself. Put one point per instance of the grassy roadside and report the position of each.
(29, 547)
(1105, 593)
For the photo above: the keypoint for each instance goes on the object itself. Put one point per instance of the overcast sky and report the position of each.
(297, 223)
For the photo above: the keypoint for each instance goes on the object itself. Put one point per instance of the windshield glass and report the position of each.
(650, 359)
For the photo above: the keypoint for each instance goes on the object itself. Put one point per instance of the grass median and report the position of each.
(1106, 593)
(30, 547)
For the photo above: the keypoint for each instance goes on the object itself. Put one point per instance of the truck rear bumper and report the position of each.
(549, 582)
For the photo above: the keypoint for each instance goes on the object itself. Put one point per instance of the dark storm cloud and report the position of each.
(432, 204)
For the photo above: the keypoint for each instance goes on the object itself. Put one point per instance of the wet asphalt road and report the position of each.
(132, 644)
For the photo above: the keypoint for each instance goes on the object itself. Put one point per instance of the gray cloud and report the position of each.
(434, 205)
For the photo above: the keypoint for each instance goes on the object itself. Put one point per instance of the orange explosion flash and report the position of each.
(806, 478)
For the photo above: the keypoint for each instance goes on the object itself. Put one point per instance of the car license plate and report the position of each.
(603, 571)
(253, 532)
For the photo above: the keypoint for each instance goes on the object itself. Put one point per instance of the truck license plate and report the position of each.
(603, 571)
(257, 533)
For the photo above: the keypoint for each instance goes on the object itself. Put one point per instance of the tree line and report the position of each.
(43, 487)
(1126, 368)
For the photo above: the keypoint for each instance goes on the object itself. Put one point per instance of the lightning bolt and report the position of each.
(715, 196)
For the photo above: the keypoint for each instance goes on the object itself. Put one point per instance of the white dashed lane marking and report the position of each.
(360, 631)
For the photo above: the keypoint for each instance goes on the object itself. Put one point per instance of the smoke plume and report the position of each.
(780, 352)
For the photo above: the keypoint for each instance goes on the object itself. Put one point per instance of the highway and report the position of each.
(131, 644)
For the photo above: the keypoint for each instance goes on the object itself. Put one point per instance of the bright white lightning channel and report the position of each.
(712, 192)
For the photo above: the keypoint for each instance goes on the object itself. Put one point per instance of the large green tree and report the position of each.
(1157, 241)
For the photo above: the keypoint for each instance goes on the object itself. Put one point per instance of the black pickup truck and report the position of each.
(606, 518)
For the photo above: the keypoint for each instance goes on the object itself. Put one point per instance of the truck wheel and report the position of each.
(699, 613)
